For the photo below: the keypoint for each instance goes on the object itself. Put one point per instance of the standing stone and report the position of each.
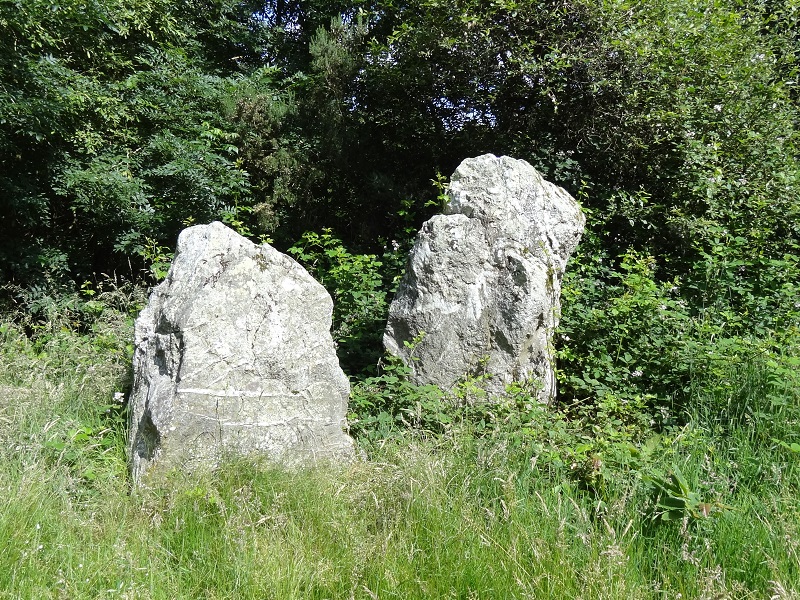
(234, 356)
(481, 294)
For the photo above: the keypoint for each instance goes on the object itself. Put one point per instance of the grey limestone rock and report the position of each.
(234, 355)
(482, 288)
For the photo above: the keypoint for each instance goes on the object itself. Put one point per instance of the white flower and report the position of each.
(718, 107)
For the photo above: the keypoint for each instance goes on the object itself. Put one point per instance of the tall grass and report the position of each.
(455, 515)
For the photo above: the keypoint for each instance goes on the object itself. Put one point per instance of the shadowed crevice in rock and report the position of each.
(147, 439)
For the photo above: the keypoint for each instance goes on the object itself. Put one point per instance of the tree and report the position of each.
(115, 130)
(674, 123)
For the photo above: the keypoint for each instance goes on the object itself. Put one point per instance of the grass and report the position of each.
(455, 515)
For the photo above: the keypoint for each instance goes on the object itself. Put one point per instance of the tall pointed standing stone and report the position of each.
(482, 288)
(234, 355)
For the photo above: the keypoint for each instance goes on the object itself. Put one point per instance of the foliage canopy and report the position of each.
(674, 123)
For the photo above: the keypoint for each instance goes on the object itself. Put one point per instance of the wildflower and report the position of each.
(718, 107)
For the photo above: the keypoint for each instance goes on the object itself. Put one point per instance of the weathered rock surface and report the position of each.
(483, 282)
(234, 355)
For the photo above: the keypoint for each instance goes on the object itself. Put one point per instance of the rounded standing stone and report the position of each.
(234, 356)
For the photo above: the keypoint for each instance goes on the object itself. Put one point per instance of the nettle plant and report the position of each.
(386, 405)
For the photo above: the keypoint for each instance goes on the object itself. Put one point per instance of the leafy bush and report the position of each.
(388, 404)
(114, 132)
(359, 285)
(629, 336)
(623, 333)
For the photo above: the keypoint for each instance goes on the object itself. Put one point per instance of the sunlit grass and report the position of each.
(447, 516)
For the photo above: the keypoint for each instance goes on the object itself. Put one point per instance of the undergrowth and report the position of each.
(458, 496)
